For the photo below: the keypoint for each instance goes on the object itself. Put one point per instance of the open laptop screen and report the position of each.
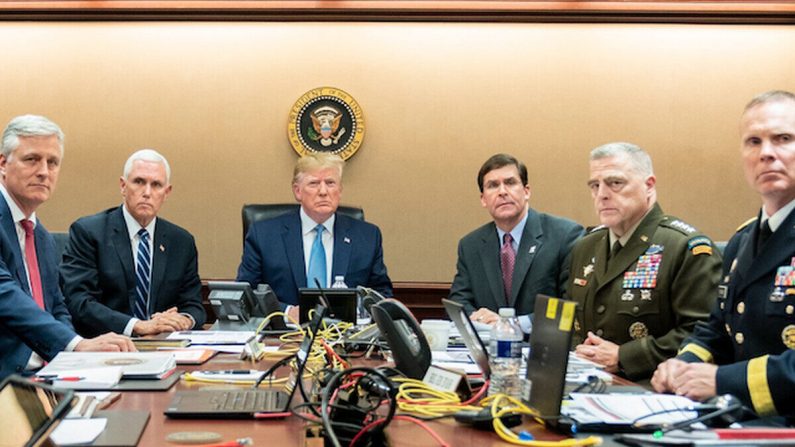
(470, 336)
(30, 411)
(342, 303)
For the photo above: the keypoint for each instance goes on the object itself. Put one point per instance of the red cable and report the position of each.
(402, 418)
(477, 395)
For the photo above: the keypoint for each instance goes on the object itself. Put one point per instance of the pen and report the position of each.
(69, 378)
(233, 371)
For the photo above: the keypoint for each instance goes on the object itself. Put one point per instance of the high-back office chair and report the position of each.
(261, 211)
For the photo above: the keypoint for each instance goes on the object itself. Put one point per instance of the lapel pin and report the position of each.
(644, 238)
(347, 240)
(532, 249)
(162, 248)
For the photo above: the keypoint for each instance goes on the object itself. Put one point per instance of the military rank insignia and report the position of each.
(638, 330)
(788, 336)
(700, 246)
(645, 274)
(326, 119)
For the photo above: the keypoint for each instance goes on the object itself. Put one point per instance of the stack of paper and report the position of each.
(85, 379)
(134, 365)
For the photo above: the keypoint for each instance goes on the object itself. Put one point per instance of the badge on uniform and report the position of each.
(700, 246)
(723, 292)
(580, 282)
(638, 330)
(646, 268)
(627, 295)
(788, 336)
(587, 270)
(785, 276)
(645, 295)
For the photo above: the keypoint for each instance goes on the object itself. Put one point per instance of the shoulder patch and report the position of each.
(745, 224)
(700, 245)
(679, 225)
(597, 228)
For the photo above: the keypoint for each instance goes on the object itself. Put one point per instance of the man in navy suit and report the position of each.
(315, 242)
(34, 322)
(492, 273)
(105, 266)
(747, 347)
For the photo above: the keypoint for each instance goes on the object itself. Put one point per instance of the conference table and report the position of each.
(289, 431)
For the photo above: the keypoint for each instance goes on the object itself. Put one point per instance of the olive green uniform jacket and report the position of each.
(648, 298)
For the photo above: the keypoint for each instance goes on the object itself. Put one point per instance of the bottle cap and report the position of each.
(339, 278)
(507, 312)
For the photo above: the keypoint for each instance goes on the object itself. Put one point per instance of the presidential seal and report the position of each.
(326, 119)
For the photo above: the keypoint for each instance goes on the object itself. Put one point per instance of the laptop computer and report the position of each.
(31, 411)
(469, 334)
(246, 403)
(342, 303)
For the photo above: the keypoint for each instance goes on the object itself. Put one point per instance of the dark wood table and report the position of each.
(289, 431)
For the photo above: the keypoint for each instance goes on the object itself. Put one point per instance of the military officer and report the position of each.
(747, 348)
(642, 279)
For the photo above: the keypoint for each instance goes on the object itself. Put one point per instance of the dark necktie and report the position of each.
(614, 251)
(317, 260)
(33, 263)
(507, 262)
(142, 276)
(764, 234)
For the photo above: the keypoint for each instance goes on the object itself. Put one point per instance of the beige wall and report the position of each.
(438, 99)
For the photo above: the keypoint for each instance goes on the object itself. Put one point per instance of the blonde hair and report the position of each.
(313, 161)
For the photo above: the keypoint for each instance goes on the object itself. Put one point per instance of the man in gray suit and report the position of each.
(522, 253)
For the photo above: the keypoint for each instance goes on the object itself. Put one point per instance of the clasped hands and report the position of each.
(693, 380)
(599, 350)
(167, 321)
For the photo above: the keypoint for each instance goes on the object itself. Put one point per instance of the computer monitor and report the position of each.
(342, 303)
(477, 350)
(231, 301)
(30, 411)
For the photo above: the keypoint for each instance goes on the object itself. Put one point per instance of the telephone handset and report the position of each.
(410, 348)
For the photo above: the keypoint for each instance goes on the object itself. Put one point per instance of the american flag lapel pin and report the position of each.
(347, 240)
(162, 248)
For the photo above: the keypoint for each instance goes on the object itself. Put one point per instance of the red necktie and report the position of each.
(33, 263)
(507, 261)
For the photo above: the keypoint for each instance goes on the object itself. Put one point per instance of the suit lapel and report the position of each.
(528, 247)
(776, 252)
(10, 229)
(637, 244)
(294, 247)
(120, 238)
(160, 247)
(490, 255)
(342, 247)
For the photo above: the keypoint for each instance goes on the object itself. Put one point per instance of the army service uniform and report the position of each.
(649, 297)
(751, 331)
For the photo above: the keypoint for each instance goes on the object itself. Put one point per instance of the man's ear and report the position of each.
(651, 182)
(3, 163)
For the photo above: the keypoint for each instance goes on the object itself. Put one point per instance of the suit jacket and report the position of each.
(98, 273)
(24, 327)
(677, 271)
(273, 254)
(751, 330)
(542, 264)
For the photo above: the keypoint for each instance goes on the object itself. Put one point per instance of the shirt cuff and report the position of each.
(526, 323)
(128, 330)
(73, 344)
(192, 321)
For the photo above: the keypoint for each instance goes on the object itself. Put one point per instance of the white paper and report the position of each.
(232, 349)
(133, 364)
(89, 378)
(628, 408)
(78, 431)
(213, 337)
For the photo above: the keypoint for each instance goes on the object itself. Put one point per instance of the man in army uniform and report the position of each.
(747, 348)
(641, 279)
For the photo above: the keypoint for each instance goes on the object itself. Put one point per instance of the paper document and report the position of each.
(134, 365)
(213, 337)
(86, 379)
(78, 431)
(625, 409)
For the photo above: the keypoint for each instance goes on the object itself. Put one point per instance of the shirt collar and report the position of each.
(516, 232)
(16, 213)
(625, 238)
(308, 225)
(778, 217)
(133, 226)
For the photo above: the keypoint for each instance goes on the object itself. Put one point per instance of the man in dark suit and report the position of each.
(642, 279)
(522, 253)
(128, 271)
(315, 242)
(747, 348)
(34, 322)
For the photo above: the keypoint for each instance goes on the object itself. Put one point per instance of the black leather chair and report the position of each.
(261, 211)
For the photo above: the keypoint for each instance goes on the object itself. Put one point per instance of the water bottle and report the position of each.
(339, 282)
(506, 356)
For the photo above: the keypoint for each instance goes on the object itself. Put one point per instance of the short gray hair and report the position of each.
(28, 126)
(769, 96)
(639, 158)
(147, 155)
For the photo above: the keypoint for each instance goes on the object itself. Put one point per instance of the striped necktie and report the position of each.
(142, 276)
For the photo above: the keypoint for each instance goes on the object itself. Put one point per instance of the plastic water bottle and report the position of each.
(506, 355)
(339, 282)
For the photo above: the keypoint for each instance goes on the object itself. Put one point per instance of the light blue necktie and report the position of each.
(142, 276)
(317, 261)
